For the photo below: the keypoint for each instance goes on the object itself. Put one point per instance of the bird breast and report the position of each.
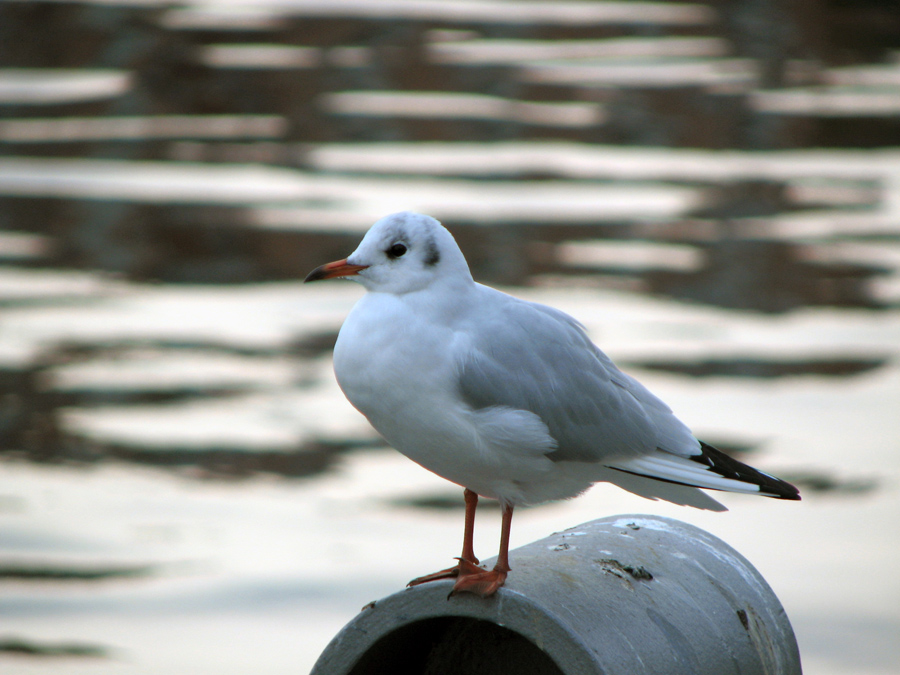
(387, 360)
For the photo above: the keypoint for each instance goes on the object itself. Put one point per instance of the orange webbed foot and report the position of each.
(449, 573)
(477, 580)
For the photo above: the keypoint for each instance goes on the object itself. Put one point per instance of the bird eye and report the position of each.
(396, 250)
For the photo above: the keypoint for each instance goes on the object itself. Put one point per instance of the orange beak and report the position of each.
(338, 268)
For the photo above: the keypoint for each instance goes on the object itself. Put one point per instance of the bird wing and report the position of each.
(533, 357)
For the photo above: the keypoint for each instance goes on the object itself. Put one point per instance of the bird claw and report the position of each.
(449, 573)
(477, 580)
(470, 578)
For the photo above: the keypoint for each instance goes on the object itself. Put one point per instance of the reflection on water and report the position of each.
(719, 206)
(767, 369)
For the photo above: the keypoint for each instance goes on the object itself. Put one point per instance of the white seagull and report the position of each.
(507, 398)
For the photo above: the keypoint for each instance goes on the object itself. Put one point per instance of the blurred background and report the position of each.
(712, 188)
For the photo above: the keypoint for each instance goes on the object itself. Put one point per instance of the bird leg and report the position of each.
(474, 579)
(468, 550)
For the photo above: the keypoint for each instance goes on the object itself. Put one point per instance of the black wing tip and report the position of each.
(786, 491)
(728, 467)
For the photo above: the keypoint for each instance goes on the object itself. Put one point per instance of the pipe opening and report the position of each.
(454, 644)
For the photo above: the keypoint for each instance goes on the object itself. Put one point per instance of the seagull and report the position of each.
(508, 399)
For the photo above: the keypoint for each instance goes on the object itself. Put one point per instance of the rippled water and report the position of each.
(184, 489)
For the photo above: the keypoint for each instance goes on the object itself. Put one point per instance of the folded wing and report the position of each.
(535, 358)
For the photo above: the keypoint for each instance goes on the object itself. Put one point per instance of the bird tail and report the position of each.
(711, 469)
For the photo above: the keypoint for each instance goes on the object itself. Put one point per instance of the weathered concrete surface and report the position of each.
(622, 595)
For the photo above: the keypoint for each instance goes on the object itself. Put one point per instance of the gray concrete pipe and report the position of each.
(622, 595)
